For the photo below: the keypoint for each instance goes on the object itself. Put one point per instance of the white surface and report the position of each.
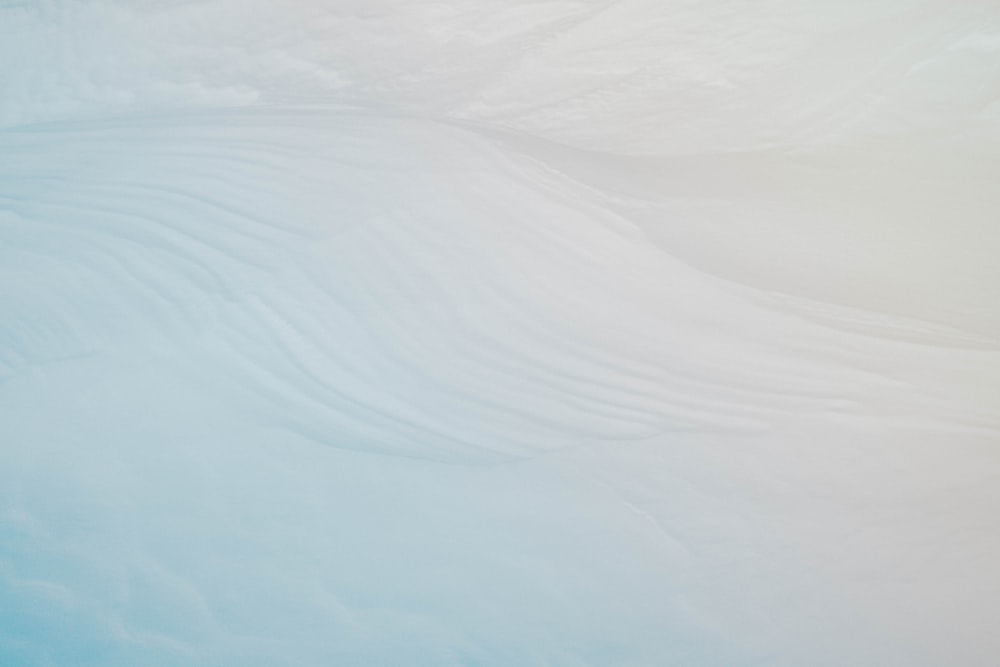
(499, 333)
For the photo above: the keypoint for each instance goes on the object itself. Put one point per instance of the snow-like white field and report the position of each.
(500, 333)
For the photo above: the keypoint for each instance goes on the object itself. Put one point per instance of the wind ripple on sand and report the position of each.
(388, 285)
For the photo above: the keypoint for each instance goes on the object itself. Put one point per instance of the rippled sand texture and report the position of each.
(565, 334)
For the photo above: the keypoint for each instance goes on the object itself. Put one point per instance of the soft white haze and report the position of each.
(380, 333)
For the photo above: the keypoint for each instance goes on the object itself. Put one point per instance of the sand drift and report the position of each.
(563, 334)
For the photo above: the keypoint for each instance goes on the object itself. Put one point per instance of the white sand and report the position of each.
(385, 333)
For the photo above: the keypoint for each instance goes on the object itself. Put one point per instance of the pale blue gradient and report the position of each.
(372, 334)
